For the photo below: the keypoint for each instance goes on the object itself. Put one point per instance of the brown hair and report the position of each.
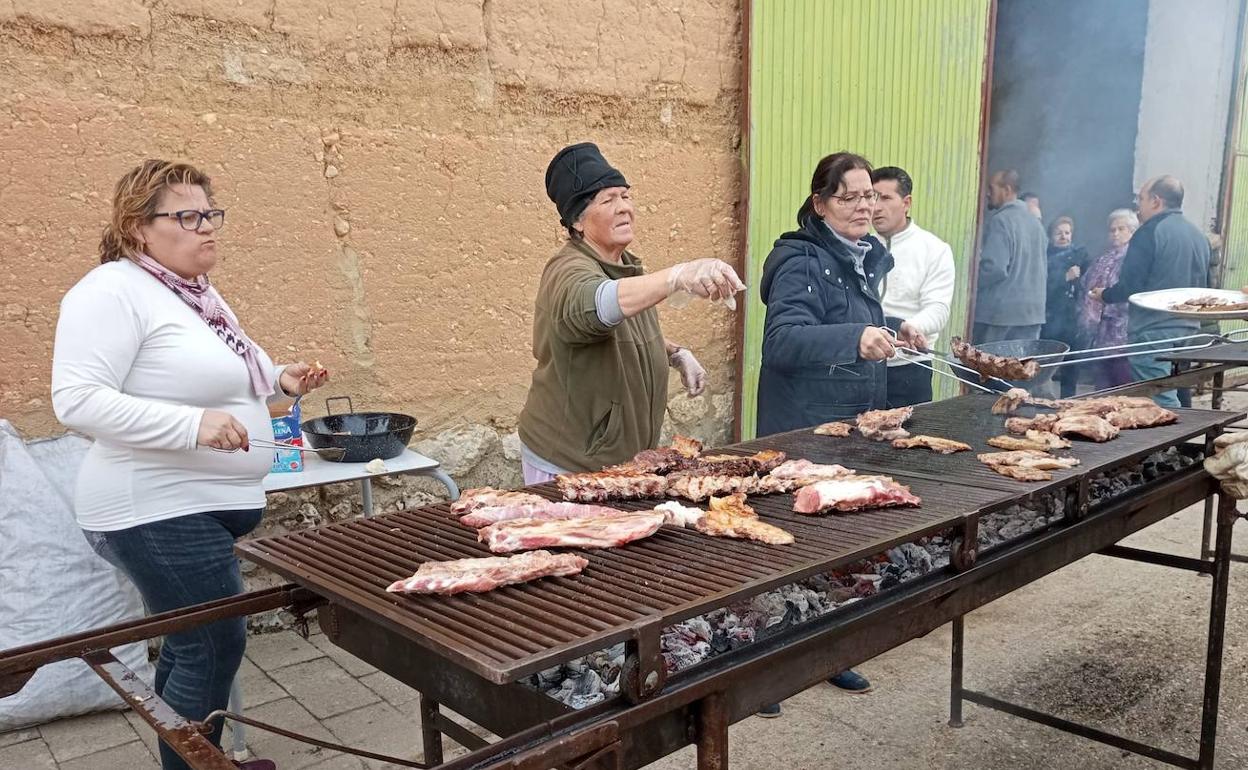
(135, 200)
(1062, 221)
(828, 177)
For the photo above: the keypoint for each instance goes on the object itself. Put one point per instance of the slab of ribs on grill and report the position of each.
(1026, 464)
(989, 365)
(484, 516)
(478, 575)
(885, 424)
(852, 494)
(1040, 440)
(592, 532)
(838, 429)
(489, 496)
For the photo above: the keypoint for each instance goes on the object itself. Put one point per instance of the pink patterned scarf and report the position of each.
(207, 301)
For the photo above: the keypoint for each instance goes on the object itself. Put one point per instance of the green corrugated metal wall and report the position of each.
(1235, 238)
(900, 82)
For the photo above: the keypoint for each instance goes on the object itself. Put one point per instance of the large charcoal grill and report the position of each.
(470, 651)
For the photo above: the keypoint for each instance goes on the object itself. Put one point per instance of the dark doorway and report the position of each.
(1065, 107)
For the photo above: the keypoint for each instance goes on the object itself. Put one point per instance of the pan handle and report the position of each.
(350, 405)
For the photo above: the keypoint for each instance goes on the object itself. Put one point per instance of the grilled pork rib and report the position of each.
(477, 575)
(598, 532)
(852, 494)
(483, 496)
(885, 424)
(944, 446)
(989, 365)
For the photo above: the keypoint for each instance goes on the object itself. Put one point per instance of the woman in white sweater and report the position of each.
(152, 363)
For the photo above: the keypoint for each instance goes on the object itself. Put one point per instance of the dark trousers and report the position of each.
(908, 385)
(178, 562)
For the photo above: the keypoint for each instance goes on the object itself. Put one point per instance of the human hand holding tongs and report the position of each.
(906, 343)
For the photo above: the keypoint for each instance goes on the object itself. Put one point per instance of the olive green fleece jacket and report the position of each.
(599, 391)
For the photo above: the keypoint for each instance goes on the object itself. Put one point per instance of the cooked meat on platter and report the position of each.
(599, 532)
(1035, 439)
(885, 424)
(1148, 416)
(1087, 426)
(838, 429)
(1210, 304)
(1026, 464)
(737, 465)
(988, 365)
(478, 575)
(609, 485)
(487, 515)
(482, 496)
(852, 494)
(944, 446)
(728, 517)
(806, 470)
(1012, 399)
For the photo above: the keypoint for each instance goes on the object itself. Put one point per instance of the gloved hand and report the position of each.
(709, 278)
(692, 375)
(1229, 463)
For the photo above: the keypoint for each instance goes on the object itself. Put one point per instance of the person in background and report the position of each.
(1066, 263)
(1033, 204)
(150, 361)
(1010, 289)
(1166, 252)
(824, 345)
(599, 390)
(1101, 325)
(919, 288)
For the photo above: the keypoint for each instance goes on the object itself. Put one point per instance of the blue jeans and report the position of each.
(1148, 367)
(178, 562)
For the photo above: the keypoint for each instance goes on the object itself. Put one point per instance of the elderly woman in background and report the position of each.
(1066, 263)
(1102, 325)
(599, 391)
(151, 362)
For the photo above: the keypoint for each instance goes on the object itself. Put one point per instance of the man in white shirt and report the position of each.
(919, 288)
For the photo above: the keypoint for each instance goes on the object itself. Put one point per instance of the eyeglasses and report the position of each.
(190, 219)
(853, 198)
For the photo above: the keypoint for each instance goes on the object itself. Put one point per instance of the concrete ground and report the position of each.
(1116, 644)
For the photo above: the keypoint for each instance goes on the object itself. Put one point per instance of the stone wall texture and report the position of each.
(382, 164)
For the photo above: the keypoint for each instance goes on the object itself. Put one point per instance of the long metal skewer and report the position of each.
(1079, 359)
(1212, 338)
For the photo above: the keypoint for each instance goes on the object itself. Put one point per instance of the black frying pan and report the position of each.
(364, 435)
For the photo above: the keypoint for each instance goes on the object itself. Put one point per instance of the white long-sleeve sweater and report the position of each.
(919, 288)
(135, 368)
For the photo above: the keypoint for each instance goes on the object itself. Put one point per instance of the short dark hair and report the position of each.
(905, 185)
(1028, 196)
(829, 175)
(1007, 177)
(1169, 189)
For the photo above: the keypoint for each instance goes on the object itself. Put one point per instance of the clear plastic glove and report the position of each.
(1229, 463)
(709, 278)
(692, 375)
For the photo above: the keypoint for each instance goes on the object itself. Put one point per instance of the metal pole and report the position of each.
(713, 732)
(1227, 514)
(238, 731)
(430, 738)
(955, 674)
(366, 492)
(1219, 380)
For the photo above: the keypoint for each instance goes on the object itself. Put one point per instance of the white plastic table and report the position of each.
(317, 472)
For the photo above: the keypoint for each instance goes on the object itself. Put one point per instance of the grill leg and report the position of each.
(1227, 514)
(431, 739)
(1207, 529)
(713, 733)
(1216, 397)
(366, 492)
(955, 674)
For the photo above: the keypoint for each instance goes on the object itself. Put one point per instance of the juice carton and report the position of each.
(285, 417)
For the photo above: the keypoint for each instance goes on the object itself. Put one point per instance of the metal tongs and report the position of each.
(332, 454)
(948, 361)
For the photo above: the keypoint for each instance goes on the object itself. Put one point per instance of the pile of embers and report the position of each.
(596, 677)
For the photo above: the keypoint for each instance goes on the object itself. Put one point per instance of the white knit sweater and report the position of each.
(919, 288)
(135, 368)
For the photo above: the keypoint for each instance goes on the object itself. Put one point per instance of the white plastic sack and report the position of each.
(52, 583)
